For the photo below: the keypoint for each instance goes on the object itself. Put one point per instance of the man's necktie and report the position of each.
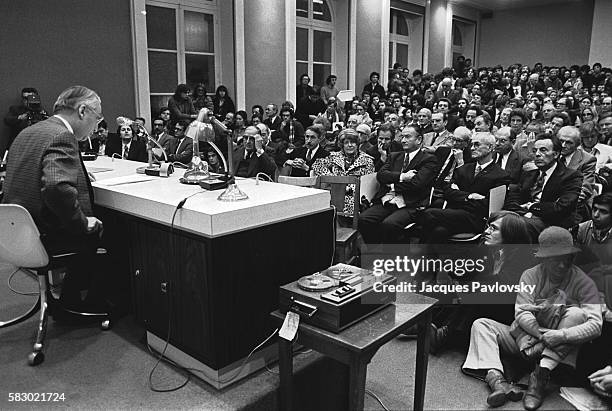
(406, 162)
(126, 149)
(499, 159)
(308, 155)
(478, 170)
(538, 187)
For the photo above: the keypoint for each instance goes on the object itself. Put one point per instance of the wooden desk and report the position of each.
(213, 277)
(356, 346)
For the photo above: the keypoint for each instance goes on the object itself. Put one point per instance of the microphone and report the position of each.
(162, 170)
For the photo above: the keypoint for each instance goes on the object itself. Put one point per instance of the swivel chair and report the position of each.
(21, 246)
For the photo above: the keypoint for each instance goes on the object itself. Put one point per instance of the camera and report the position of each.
(34, 109)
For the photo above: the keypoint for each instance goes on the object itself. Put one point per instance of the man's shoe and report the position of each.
(438, 338)
(538, 380)
(501, 390)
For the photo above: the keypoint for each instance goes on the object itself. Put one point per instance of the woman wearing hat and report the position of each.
(349, 161)
(556, 310)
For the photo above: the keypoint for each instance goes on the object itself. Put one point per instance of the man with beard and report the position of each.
(556, 310)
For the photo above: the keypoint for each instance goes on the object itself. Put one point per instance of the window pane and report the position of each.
(301, 44)
(322, 46)
(161, 28)
(402, 54)
(199, 32)
(200, 69)
(157, 102)
(300, 68)
(320, 73)
(320, 10)
(402, 26)
(301, 8)
(162, 72)
(457, 37)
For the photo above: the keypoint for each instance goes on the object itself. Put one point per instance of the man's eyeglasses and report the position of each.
(178, 129)
(99, 116)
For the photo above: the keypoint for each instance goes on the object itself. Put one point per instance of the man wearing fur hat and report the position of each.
(550, 323)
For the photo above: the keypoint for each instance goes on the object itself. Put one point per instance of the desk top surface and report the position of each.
(374, 328)
(120, 188)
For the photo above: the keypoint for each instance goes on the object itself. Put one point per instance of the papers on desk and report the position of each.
(134, 178)
(582, 399)
(95, 170)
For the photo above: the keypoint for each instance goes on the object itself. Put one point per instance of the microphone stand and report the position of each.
(161, 170)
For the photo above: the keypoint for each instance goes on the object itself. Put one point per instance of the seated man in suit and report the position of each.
(551, 192)
(440, 136)
(301, 159)
(250, 158)
(181, 147)
(386, 145)
(46, 175)
(273, 121)
(405, 184)
(505, 154)
(467, 196)
(161, 135)
(577, 159)
(125, 145)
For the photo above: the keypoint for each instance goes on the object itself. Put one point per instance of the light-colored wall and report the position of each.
(44, 46)
(415, 50)
(553, 35)
(226, 23)
(265, 65)
(368, 56)
(437, 35)
(601, 34)
(341, 27)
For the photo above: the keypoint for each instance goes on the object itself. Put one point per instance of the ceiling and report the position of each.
(509, 4)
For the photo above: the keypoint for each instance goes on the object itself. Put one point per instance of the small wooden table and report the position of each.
(356, 346)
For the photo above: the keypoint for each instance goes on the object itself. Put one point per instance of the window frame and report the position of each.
(311, 24)
(395, 39)
(210, 7)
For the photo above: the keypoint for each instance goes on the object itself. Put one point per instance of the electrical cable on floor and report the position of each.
(162, 355)
(371, 394)
(10, 279)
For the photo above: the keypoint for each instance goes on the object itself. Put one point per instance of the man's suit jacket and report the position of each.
(559, 198)
(415, 191)
(164, 140)
(380, 90)
(444, 138)
(273, 125)
(514, 165)
(183, 152)
(137, 152)
(257, 164)
(586, 164)
(46, 176)
(394, 147)
(301, 152)
(492, 176)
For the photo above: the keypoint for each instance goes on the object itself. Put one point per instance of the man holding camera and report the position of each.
(29, 112)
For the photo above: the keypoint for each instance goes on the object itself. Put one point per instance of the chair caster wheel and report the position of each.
(35, 358)
(105, 325)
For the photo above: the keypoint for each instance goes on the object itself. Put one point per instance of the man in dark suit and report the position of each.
(181, 147)
(250, 158)
(273, 121)
(467, 196)
(447, 92)
(506, 156)
(405, 183)
(301, 159)
(374, 86)
(46, 175)
(128, 148)
(549, 193)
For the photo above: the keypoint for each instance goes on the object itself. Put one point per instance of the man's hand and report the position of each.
(475, 196)
(259, 144)
(300, 163)
(408, 175)
(602, 380)
(553, 338)
(94, 226)
(23, 117)
(428, 149)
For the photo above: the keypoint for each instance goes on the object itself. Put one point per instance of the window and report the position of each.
(314, 40)
(181, 49)
(399, 38)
